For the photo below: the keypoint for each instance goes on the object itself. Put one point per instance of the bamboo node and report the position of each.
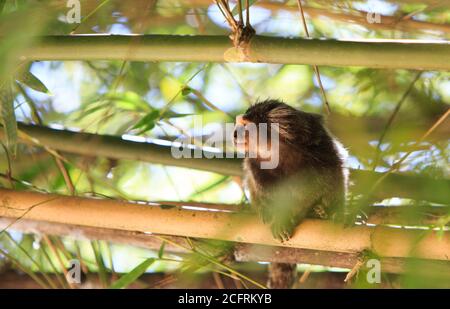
(241, 37)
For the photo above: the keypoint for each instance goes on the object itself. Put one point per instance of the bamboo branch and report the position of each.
(236, 227)
(11, 279)
(407, 54)
(242, 252)
(246, 253)
(395, 185)
(360, 18)
(352, 16)
(78, 232)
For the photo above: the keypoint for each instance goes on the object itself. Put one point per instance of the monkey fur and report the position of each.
(309, 180)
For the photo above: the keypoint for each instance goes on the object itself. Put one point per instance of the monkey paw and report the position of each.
(282, 231)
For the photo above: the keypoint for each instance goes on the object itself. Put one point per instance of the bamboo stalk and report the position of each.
(247, 253)
(11, 279)
(406, 54)
(79, 232)
(398, 185)
(242, 252)
(311, 234)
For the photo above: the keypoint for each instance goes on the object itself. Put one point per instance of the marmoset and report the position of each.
(309, 179)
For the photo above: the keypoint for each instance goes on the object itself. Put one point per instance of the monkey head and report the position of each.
(292, 127)
(295, 128)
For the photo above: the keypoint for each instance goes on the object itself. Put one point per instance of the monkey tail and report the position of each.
(281, 275)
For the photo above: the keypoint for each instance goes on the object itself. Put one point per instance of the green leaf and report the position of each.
(171, 114)
(186, 91)
(102, 271)
(129, 100)
(8, 117)
(92, 108)
(209, 187)
(161, 250)
(147, 122)
(235, 9)
(28, 79)
(2, 5)
(133, 275)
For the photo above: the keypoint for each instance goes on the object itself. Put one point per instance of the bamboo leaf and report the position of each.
(171, 114)
(209, 187)
(133, 275)
(186, 90)
(129, 101)
(8, 117)
(102, 271)
(161, 250)
(2, 5)
(91, 108)
(24, 268)
(147, 122)
(30, 80)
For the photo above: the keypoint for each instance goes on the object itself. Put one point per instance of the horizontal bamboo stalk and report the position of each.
(398, 185)
(237, 227)
(400, 215)
(115, 147)
(395, 265)
(407, 54)
(242, 252)
(78, 232)
(200, 280)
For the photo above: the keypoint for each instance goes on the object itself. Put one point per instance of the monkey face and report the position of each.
(241, 135)
(254, 132)
(255, 140)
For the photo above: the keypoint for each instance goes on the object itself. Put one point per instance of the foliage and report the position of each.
(158, 101)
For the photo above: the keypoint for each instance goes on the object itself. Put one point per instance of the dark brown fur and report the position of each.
(309, 180)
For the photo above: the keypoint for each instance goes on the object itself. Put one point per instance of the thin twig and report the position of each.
(33, 261)
(218, 280)
(89, 15)
(213, 261)
(396, 165)
(58, 258)
(9, 170)
(208, 103)
(315, 67)
(305, 276)
(24, 269)
(247, 12)
(392, 117)
(37, 118)
(241, 18)
(354, 270)
(172, 100)
(26, 211)
(62, 280)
